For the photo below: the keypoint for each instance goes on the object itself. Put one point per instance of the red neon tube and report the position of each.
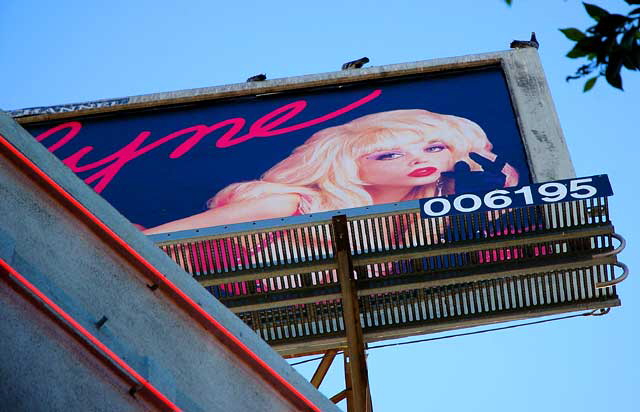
(199, 314)
(76, 327)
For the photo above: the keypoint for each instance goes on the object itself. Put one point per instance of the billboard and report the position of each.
(443, 169)
(306, 151)
(298, 152)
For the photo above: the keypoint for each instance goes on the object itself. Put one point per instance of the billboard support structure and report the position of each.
(335, 210)
(354, 355)
(323, 367)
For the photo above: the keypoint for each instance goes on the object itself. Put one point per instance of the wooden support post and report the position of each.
(324, 366)
(355, 358)
(339, 396)
(348, 384)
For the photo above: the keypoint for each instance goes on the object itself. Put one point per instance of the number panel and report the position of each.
(519, 196)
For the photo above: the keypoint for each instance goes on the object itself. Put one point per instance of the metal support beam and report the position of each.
(323, 368)
(355, 358)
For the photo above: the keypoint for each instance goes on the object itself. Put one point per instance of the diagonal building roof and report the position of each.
(143, 330)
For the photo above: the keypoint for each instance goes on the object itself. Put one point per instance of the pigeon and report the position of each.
(522, 44)
(257, 78)
(355, 64)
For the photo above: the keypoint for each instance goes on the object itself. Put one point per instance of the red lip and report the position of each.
(425, 171)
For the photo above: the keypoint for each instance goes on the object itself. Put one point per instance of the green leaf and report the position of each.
(589, 84)
(635, 56)
(592, 44)
(573, 34)
(576, 52)
(594, 11)
(610, 24)
(508, 2)
(629, 38)
(612, 73)
(628, 62)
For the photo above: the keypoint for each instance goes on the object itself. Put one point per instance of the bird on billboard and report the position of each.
(355, 64)
(523, 44)
(257, 78)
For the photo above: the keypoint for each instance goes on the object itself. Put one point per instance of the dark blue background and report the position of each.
(155, 189)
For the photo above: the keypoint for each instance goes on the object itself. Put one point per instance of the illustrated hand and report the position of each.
(466, 181)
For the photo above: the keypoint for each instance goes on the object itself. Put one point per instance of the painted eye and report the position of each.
(435, 148)
(386, 156)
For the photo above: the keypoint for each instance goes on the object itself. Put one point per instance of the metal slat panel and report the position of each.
(413, 275)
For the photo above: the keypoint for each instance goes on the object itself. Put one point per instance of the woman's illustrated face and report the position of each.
(410, 164)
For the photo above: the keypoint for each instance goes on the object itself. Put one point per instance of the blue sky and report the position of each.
(55, 52)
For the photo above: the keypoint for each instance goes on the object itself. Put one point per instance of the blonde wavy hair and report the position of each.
(323, 171)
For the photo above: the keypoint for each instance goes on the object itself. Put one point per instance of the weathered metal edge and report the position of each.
(544, 143)
(31, 115)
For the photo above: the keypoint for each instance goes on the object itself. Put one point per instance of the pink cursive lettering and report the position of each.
(108, 167)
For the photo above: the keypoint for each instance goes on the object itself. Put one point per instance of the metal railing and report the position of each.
(413, 275)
